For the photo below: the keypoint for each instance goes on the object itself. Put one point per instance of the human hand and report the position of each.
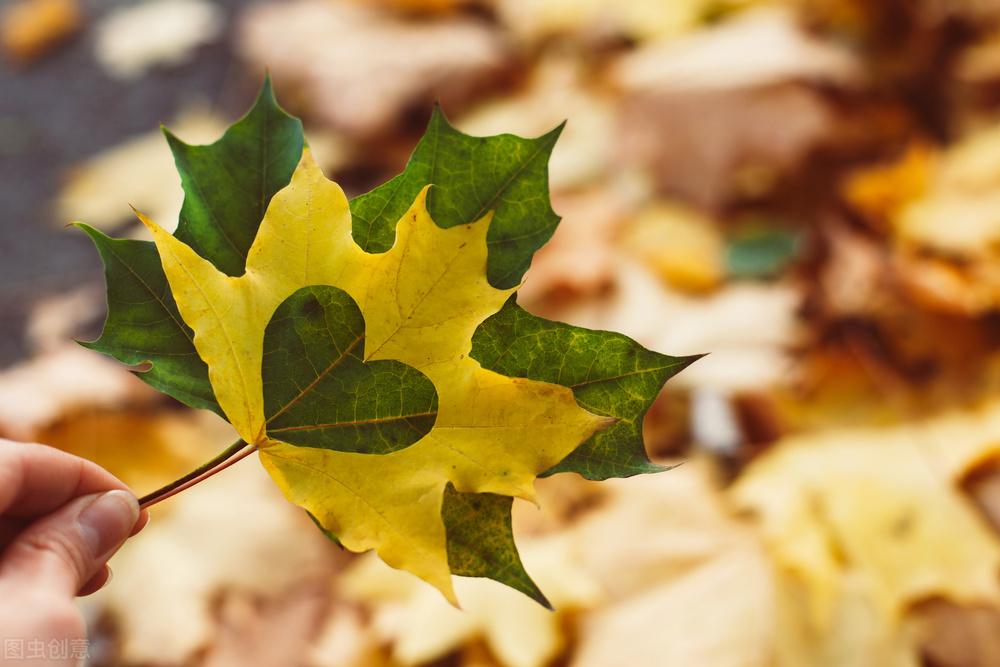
(61, 519)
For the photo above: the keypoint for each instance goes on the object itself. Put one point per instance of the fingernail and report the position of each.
(107, 522)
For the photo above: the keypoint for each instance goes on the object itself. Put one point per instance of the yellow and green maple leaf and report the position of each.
(372, 350)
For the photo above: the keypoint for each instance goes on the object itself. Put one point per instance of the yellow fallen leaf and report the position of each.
(682, 246)
(882, 191)
(940, 207)
(687, 582)
(717, 614)
(144, 448)
(957, 215)
(422, 627)
(59, 384)
(29, 28)
(492, 434)
(872, 519)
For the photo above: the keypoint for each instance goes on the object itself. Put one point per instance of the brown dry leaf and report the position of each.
(854, 279)
(712, 124)
(682, 246)
(422, 626)
(423, 6)
(863, 524)
(235, 535)
(59, 384)
(133, 39)
(878, 354)
(30, 28)
(941, 209)
(723, 145)
(954, 636)
(139, 172)
(965, 288)
(980, 63)
(882, 191)
(360, 68)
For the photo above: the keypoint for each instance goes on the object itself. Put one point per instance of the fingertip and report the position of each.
(140, 523)
(103, 577)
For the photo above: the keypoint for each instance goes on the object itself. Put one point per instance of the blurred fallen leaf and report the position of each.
(712, 124)
(715, 58)
(714, 615)
(940, 209)
(255, 633)
(880, 192)
(139, 172)
(201, 547)
(662, 525)
(59, 383)
(133, 39)
(360, 68)
(957, 214)
(423, 627)
(760, 252)
(865, 523)
(682, 246)
(144, 448)
(854, 279)
(346, 640)
(30, 28)
(856, 634)
(535, 20)
(688, 583)
(431, 7)
(956, 636)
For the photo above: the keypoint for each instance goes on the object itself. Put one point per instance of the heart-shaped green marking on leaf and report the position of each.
(321, 394)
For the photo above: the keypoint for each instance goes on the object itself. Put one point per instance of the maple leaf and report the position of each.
(338, 339)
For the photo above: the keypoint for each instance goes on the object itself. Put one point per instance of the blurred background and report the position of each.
(807, 189)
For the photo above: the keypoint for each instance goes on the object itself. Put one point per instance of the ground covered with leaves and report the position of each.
(806, 190)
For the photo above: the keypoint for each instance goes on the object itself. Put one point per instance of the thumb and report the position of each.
(64, 549)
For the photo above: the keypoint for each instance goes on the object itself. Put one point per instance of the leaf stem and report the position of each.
(237, 451)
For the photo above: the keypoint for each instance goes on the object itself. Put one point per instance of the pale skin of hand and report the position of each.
(61, 519)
